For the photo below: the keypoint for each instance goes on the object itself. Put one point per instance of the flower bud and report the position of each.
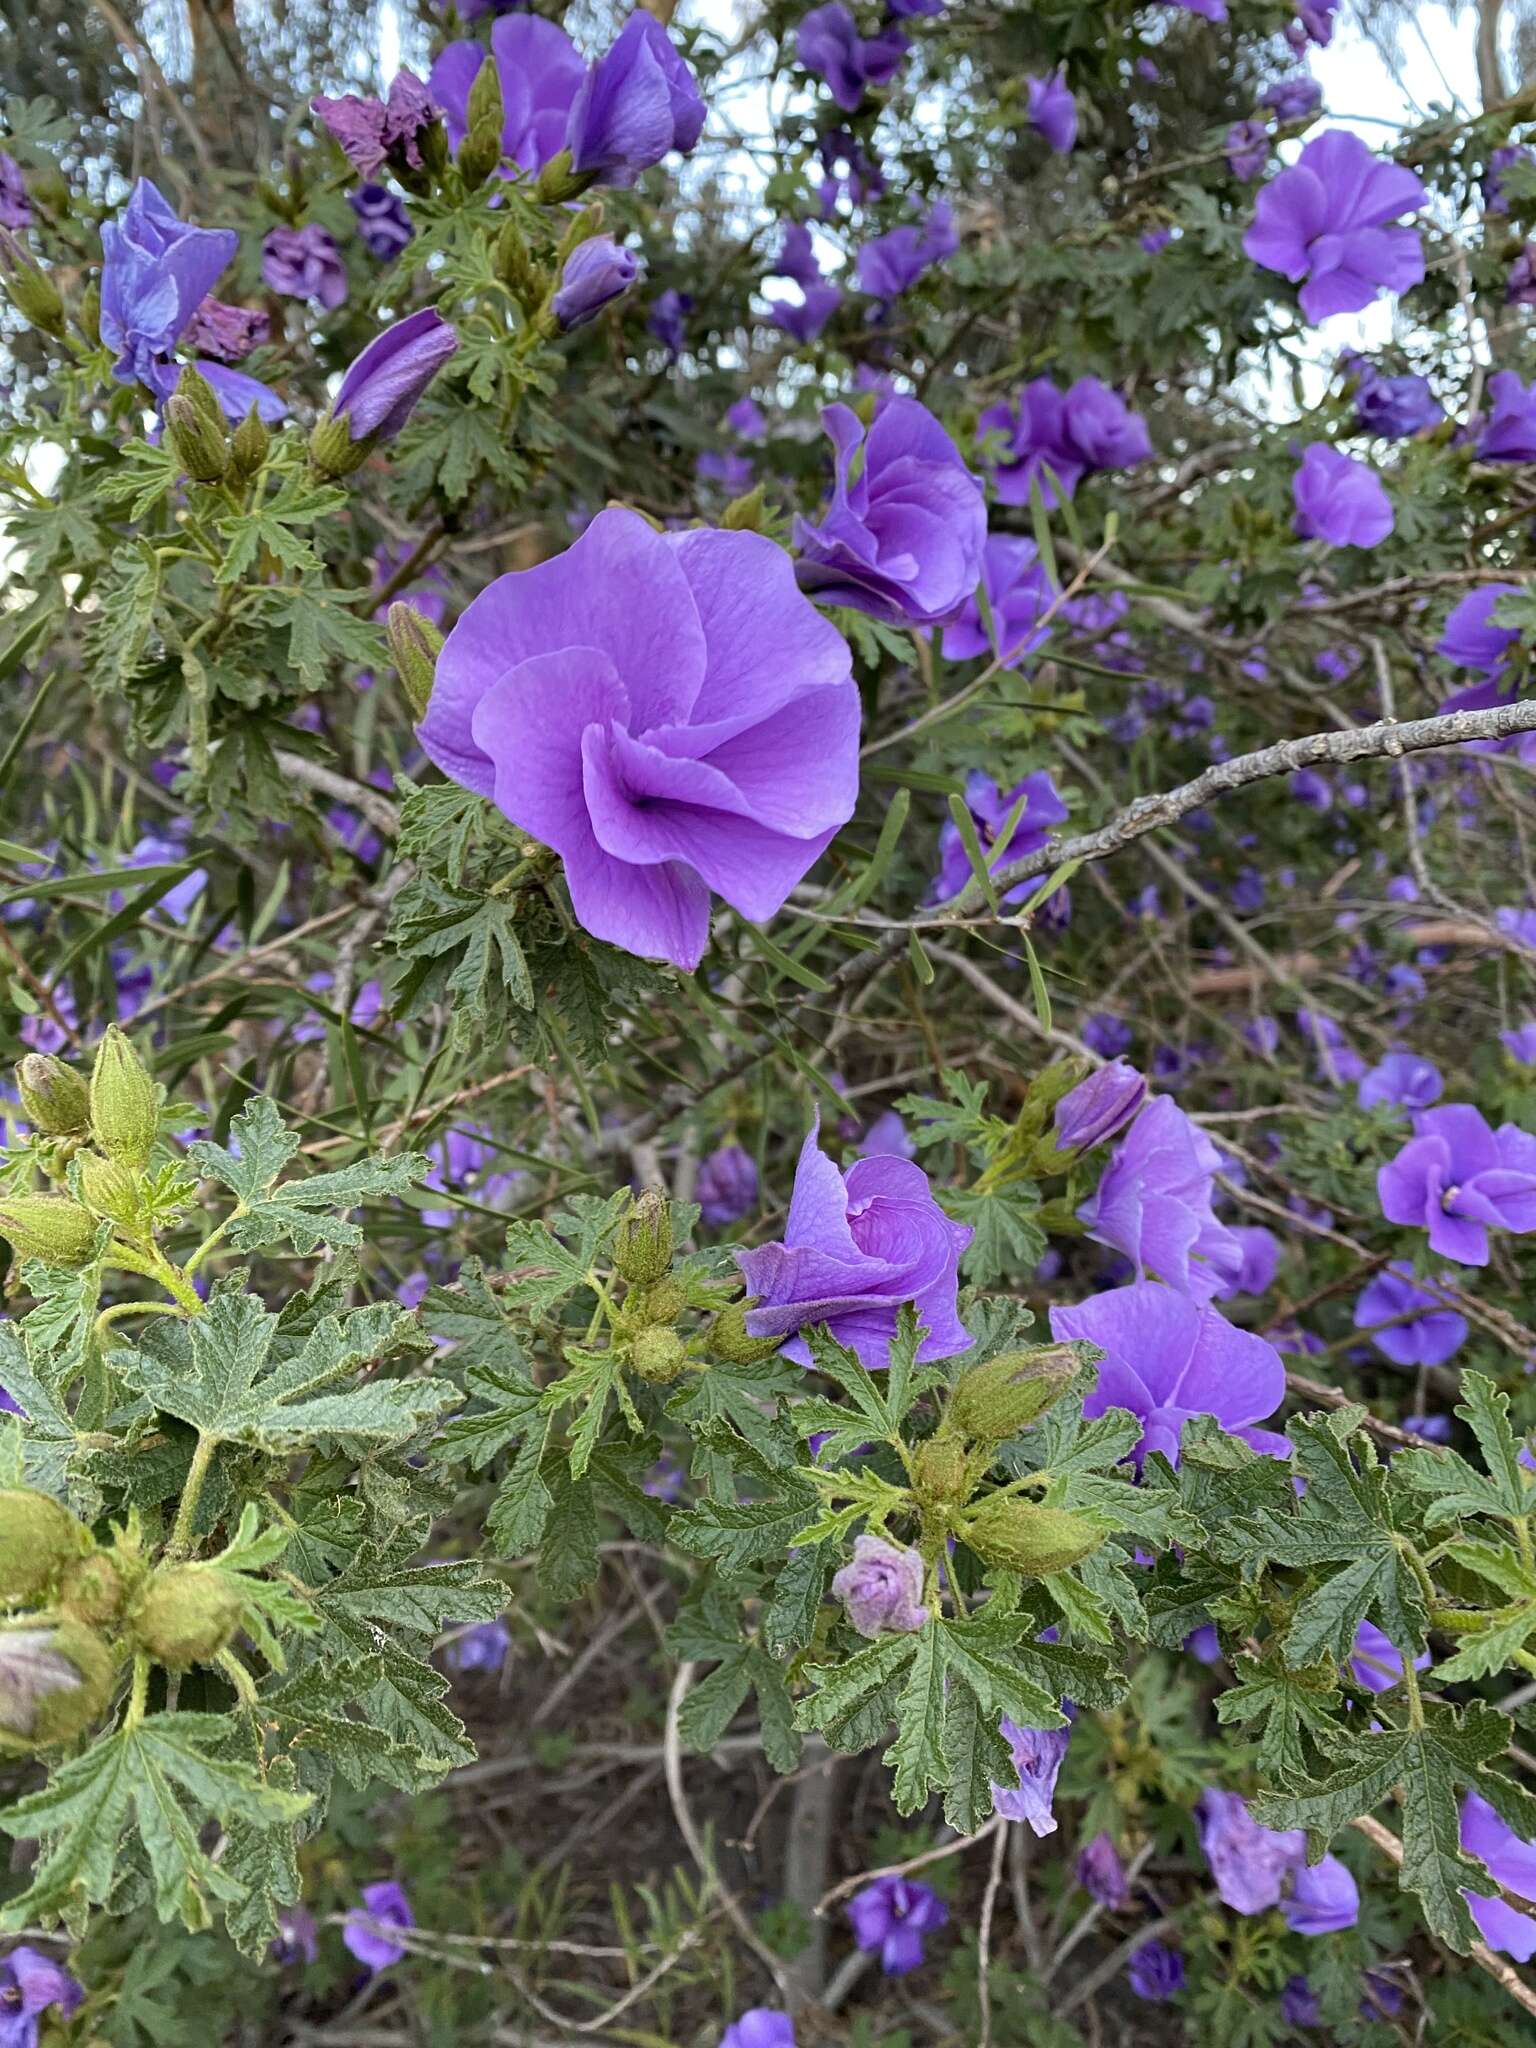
(54, 1682)
(201, 449)
(748, 513)
(993, 1402)
(51, 1227)
(38, 1537)
(596, 273)
(415, 643)
(54, 1098)
(729, 1342)
(484, 107)
(332, 449)
(516, 269)
(658, 1353)
(248, 449)
(29, 287)
(642, 1248)
(193, 386)
(93, 1590)
(125, 1104)
(1017, 1536)
(1092, 1112)
(187, 1614)
(110, 1189)
(662, 1302)
(479, 152)
(558, 181)
(939, 1472)
(88, 314)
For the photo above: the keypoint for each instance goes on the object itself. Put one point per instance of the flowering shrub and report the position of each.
(768, 928)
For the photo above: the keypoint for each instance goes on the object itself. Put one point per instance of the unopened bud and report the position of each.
(201, 449)
(415, 643)
(432, 146)
(658, 1354)
(88, 314)
(50, 1227)
(558, 182)
(993, 1402)
(747, 514)
(54, 1098)
(125, 1104)
(1017, 1536)
(38, 1537)
(642, 1248)
(729, 1341)
(54, 1682)
(516, 268)
(94, 1590)
(193, 386)
(663, 1302)
(110, 1188)
(479, 152)
(29, 287)
(332, 449)
(187, 1614)
(939, 1472)
(249, 446)
(484, 108)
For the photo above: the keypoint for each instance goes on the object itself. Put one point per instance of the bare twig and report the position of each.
(984, 1940)
(953, 1847)
(380, 813)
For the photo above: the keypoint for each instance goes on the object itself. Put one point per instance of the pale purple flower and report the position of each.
(1340, 499)
(1261, 1261)
(828, 43)
(890, 1918)
(726, 467)
(30, 1985)
(1455, 1177)
(1404, 1080)
(1471, 638)
(304, 263)
(297, 1939)
(15, 206)
(540, 72)
(596, 272)
(1393, 407)
(373, 132)
(1519, 924)
(1101, 1873)
(156, 271)
(797, 255)
(1099, 1106)
(1038, 1754)
(1155, 240)
(902, 539)
(760, 2027)
(1299, 2004)
(379, 392)
(1154, 1203)
(1018, 591)
(726, 1188)
(856, 1247)
(1430, 1338)
(1249, 1863)
(804, 318)
(1313, 24)
(990, 810)
(1106, 1035)
(667, 712)
(386, 1904)
(1156, 1971)
(1051, 110)
(882, 1588)
(1247, 148)
(746, 419)
(1520, 1044)
(1323, 1898)
(667, 318)
(1376, 1663)
(238, 393)
(1293, 98)
(1326, 221)
(636, 103)
(1509, 433)
(382, 220)
(1513, 1863)
(227, 333)
(1055, 438)
(665, 1479)
(892, 263)
(1495, 198)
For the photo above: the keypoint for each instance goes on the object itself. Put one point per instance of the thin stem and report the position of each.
(197, 1473)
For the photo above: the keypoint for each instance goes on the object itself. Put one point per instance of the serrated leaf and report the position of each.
(917, 1752)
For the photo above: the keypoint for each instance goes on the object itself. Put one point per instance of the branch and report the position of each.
(374, 805)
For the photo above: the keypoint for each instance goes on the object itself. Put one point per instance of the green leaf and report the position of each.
(48, 1439)
(276, 525)
(1288, 1711)
(309, 1213)
(917, 1752)
(845, 1690)
(740, 1533)
(976, 1757)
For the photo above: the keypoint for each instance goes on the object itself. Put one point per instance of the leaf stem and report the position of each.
(197, 1472)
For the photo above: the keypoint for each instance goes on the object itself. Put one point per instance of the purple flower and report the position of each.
(727, 1186)
(15, 206)
(667, 318)
(373, 132)
(380, 390)
(1247, 147)
(387, 1904)
(1261, 1261)
(596, 272)
(237, 394)
(1293, 98)
(382, 220)
(1101, 1873)
(804, 318)
(1471, 639)
(1051, 110)
(481, 1648)
(746, 419)
(892, 263)
(761, 2027)
(856, 1247)
(1249, 1863)
(1106, 1035)
(1299, 2005)
(1495, 198)
(725, 467)
(637, 102)
(828, 43)
(1155, 1971)
(667, 712)
(540, 72)
(297, 1939)
(891, 1916)
(1313, 24)
(1455, 1177)
(155, 273)
(1429, 1338)
(903, 10)
(1520, 1044)
(1393, 407)
(1376, 1664)
(1168, 1358)
(1067, 433)
(1383, 2000)
(1520, 286)
(30, 1983)
(903, 539)
(1155, 240)
(1091, 1113)
(1404, 1080)
(1325, 220)
(1513, 1863)
(990, 810)
(1323, 1898)
(797, 255)
(227, 333)
(882, 1588)
(1038, 1754)
(1509, 434)
(1208, 10)
(1340, 499)
(304, 263)
(1154, 1203)
(665, 1479)
(1018, 591)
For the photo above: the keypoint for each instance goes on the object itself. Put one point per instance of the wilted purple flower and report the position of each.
(1018, 591)
(386, 1904)
(15, 206)
(1325, 220)
(804, 318)
(1455, 1177)
(1101, 1873)
(540, 72)
(1091, 1113)
(761, 2027)
(1168, 1358)
(1249, 1863)
(380, 390)
(1520, 1044)
(481, 1648)
(664, 710)
(1340, 499)
(856, 1247)
(882, 1588)
(1261, 1261)
(304, 263)
(1471, 639)
(1293, 98)
(1429, 1338)
(746, 419)
(1509, 434)
(1106, 1035)
(828, 43)
(596, 272)
(382, 220)
(727, 1186)
(891, 1916)
(1051, 110)
(1323, 1898)
(372, 131)
(903, 539)
(1154, 1203)
(1068, 433)
(1403, 1079)
(156, 271)
(1038, 1754)
(1513, 1863)
(1247, 148)
(990, 811)
(227, 333)
(1393, 407)
(892, 263)
(1375, 1663)
(1155, 1971)
(31, 1983)
(1299, 2006)
(637, 102)
(297, 1939)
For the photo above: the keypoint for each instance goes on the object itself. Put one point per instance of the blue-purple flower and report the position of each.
(1156, 1971)
(760, 2027)
(890, 1918)
(1038, 1754)
(384, 1905)
(155, 273)
(1019, 593)
(1509, 432)
(893, 262)
(1249, 1863)
(540, 72)
(1040, 810)
(1100, 1106)
(726, 1188)
(828, 43)
(382, 220)
(1393, 407)
(1456, 1178)
(1512, 1862)
(1340, 499)
(1051, 110)
(1422, 1330)
(1403, 1079)
(304, 263)
(1247, 147)
(1325, 224)
(380, 390)
(1054, 438)
(30, 1985)
(636, 103)
(1471, 638)
(1101, 1873)
(1154, 1203)
(596, 272)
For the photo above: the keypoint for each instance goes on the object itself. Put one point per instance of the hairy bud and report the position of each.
(29, 287)
(194, 387)
(662, 1302)
(54, 1682)
(38, 1537)
(125, 1104)
(658, 1353)
(415, 643)
(558, 182)
(94, 1590)
(187, 1614)
(248, 449)
(199, 448)
(1017, 1536)
(110, 1189)
(729, 1341)
(88, 314)
(642, 1249)
(939, 1472)
(480, 151)
(993, 1402)
(54, 1098)
(333, 451)
(51, 1227)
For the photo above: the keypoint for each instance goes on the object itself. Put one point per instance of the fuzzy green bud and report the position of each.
(642, 1248)
(29, 287)
(248, 448)
(194, 387)
(187, 1614)
(88, 314)
(658, 1353)
(332, 449)
(38, 1537)
(125, 1104)
(51, 1227)
(200, 448)
(415, 643)
(939, 1477)
(480, 151)
(747, 514)
(662, 1302)
(993, 1402)
(729, 1341)
(558, 182)
(54, 1682)
(54, 1098)
(93, 1590)
(517, 269)
(1017, 1536)
(110, 1188)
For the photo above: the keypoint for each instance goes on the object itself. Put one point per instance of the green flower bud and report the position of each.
(729, 1342)
(663, 1302)
(993, 1402)
(748, 514)
(583, 227)
(51, 1227)
(516, 268)
(29, 287)
(201, 450)
(558, 182)
(54, 1682)
(187, 1614)
(248, 449)
(125, 1104)
(88, 314)
(94, 1590)
(333, 451)
(658, 1354)
(1017, 1536)
(415, 644)
(642, 1248)
(432, 144)
(939, 1475)
(111, 1189)
(193, 386)
(484, 107)
(38, 1537)
(54, 1098)
(480, 151)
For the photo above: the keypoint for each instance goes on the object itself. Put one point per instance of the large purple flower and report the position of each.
(891, 1916)
(1168, 1358)
(1471, 639)
(828, 43)
(902, 539)
(1423, 1331)
(667, 712)
(1510, 1860)
(1051, 110)
(1509, 433)
(1323, 1898)
(637, 102)
(384, 1905)
(1325, 221)
(1340, 499)
(1154, 1203)
(990, 811)
(1249, 1863)
(1455, 1177)
(1393, 407)
(1055, 438)
(892, 263)
(305, 263)
(540, 72)
(857, 1246)
(380, 390)
(1403, 1079)
(155, 273)
(1019, 593)
(1038, 1754)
